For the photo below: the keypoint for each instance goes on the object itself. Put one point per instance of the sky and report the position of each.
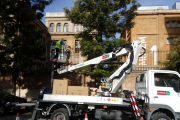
(58, 5)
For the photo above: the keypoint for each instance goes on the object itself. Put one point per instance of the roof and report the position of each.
(162, 71)
(55, 14)
(159, 11)
(152, 7)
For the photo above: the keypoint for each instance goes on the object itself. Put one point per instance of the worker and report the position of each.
(58, 46)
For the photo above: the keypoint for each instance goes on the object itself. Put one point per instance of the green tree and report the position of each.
(173, 57)
(19, 45)
(101, 21)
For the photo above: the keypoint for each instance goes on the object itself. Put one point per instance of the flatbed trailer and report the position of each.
(104, 106)
(72, 105)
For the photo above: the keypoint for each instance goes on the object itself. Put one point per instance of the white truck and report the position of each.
(158, 94)
(153, 100)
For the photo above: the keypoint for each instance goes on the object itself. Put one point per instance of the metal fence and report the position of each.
(150, 60)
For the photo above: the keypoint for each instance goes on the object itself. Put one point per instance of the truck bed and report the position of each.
(90, 100)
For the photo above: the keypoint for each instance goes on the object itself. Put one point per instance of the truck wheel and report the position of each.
(160, 116)
(2, 110)
(60, 114)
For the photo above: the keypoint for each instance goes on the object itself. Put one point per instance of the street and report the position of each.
(27, 114)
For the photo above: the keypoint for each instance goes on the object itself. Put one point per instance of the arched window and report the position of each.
(51, 29)
(58, 28)
(76, 28)
(66, 26)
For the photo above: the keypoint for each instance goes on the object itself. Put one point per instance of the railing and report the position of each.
(151, 60)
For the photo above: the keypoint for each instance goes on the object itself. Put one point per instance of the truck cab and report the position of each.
(159, 94)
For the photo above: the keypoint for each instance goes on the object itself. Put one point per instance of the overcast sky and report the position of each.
(58, 5)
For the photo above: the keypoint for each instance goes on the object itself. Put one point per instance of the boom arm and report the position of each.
(133, 51)
(117, 78)
(94, 61)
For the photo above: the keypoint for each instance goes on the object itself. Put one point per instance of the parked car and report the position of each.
(8, 102)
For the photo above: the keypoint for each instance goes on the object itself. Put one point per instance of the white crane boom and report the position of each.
(133, 51)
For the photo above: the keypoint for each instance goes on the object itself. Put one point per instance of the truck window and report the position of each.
(167, 80)
(158, 81)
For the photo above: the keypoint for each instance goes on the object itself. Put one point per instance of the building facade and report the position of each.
(156, 27)
(28, 87)
(60, 27)
(44, 40)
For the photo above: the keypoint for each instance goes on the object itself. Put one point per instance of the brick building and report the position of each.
(60, 27)
(157, 27)
(29, 87)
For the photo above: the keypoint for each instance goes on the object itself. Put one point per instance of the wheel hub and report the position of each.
(60, 116)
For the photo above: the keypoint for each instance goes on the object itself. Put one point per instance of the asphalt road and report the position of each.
(27, 114)
(23, 116)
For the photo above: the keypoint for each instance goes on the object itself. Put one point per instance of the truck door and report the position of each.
(164, 88)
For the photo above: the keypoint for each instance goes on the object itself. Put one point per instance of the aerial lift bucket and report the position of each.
(63, 55)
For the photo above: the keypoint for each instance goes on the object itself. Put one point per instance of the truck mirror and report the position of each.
(137, 79)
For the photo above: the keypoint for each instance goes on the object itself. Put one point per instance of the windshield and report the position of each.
(167, 80)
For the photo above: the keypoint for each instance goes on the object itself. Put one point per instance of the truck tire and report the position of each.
(160, 116)
(60, 114)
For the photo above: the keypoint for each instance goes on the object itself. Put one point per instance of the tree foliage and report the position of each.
(173, 57)
(19, 45)
(101, 21)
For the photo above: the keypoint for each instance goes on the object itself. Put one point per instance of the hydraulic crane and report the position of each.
(107, 86)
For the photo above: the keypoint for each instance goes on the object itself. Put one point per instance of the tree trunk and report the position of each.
(14, 72)
(14, 84)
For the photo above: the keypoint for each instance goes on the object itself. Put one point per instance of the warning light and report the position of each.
(103, 86)
(104, 106)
